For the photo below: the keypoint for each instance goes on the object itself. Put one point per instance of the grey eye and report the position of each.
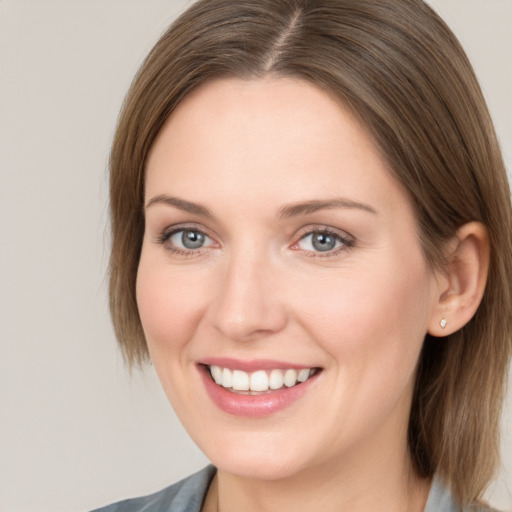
(189, 239)
(192, 239)
(323, 241)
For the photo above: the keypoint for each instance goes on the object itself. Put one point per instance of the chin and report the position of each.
(260, 460)
(257, 469)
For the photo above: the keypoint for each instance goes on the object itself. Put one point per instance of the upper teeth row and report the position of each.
(260, 380)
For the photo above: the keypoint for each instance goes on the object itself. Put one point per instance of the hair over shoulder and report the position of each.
(400, 69)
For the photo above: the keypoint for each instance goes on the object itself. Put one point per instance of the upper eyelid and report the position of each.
(346, 239)
(164, 239)
(170, 230)
(319, 228)
(163, 236)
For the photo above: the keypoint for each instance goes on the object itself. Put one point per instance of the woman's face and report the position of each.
(279, 248)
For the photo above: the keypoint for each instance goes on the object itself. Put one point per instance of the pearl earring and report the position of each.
(443, 322)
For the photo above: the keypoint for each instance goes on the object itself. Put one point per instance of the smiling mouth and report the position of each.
(260, 381)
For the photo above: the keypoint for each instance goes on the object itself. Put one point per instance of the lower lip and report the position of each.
(253, 406)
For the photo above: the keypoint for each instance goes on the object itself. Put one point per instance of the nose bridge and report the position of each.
(247, 304)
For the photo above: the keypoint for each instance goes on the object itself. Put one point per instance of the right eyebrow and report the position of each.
(181, 204)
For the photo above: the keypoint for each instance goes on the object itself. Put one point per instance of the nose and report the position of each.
(248, 304)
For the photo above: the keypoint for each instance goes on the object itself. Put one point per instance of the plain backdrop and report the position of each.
(76, 431)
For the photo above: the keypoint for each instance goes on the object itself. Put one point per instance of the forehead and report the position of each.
(251, 117)
(278, 138)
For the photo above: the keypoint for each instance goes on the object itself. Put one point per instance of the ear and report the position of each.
(461, 286)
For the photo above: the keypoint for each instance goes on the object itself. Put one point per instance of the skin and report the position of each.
(258, 290)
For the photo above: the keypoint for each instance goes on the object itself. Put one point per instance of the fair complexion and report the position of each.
(276, 235)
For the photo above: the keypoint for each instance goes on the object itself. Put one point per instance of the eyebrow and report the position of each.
(292, 210)
(307, 207)
(181, 204)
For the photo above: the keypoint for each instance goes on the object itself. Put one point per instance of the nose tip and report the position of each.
(248, 305)
(245, 322)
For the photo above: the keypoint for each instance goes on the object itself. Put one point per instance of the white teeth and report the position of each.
(240, 380)
(290, 378)
(260, 380)
(216, 374)
(303, 375)
(227, 378)
(276, 379)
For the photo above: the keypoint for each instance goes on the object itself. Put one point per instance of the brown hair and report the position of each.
(401, 70)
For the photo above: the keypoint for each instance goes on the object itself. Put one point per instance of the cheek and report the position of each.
(372, 320)
(170, 303)
(372, 325)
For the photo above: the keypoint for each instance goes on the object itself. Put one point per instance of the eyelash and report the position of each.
(166, 235)
(346, 241)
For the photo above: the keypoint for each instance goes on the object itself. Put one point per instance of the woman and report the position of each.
(311, 241)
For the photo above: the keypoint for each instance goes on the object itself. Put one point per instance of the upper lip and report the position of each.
(252, 365)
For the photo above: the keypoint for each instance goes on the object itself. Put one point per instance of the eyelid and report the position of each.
(181, 226)
(347, 240)
(165, 235)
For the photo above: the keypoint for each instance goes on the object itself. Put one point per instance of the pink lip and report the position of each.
(253, 406)
(252, 365)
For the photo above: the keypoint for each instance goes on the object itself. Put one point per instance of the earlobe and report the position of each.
(461, 286)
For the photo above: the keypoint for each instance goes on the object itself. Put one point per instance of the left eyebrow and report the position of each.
(307, 207)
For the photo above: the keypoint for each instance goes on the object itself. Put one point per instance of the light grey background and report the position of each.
(75, 430)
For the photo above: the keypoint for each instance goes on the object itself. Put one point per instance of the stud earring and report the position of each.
(443, 322)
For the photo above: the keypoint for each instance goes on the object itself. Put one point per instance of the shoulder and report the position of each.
(479, 508)
(440, 499)
(184, 496)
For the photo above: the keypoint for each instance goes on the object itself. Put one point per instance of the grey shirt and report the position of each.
(189, 494)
